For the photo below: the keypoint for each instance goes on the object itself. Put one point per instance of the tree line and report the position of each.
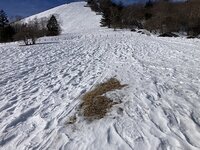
(28, 32)
(156, 16)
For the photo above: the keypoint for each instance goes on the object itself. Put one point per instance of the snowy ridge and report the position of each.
(74, 17)
(41, 88)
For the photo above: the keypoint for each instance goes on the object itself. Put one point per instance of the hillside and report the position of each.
(41, 88)
(74, 17)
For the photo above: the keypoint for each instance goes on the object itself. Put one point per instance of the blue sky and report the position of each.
(30, 7)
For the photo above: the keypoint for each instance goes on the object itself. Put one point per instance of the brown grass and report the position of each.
(95, 103)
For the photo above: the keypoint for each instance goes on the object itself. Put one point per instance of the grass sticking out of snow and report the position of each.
(95, 103)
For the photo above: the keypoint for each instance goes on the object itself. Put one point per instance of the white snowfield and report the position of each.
(41, 88)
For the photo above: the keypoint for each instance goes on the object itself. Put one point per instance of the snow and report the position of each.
(73, 17)
(41, 88)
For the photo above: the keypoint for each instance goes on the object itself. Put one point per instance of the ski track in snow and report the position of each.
(41, 87)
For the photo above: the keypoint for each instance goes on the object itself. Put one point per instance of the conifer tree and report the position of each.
(3, 19)
(53, 26)
(106, 13)
(6, 31)
(149, 4)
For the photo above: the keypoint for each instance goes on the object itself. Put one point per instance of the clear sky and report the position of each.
(30, 7)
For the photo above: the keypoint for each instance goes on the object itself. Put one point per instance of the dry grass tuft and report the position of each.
(95, 103)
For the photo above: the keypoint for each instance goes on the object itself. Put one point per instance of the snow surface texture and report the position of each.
(41, 88)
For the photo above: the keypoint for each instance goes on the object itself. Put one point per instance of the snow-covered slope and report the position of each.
(74, 17)
(41, 88)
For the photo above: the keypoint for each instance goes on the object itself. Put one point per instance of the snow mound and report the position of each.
(74, 17)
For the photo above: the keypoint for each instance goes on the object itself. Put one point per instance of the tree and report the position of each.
(93, 4)
(14, 19)
(53, 26)
(22, 34)
(105, 20)
(6, 30)
(115, 17)
(105, 6)
(3, 19)
(7, 33)
(149, 4)
(29, 32)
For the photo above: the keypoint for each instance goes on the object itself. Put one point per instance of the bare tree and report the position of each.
(28, 32)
